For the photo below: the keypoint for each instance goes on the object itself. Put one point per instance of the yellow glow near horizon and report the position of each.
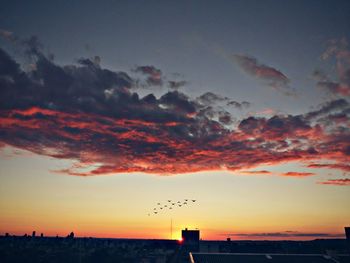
(33, 198)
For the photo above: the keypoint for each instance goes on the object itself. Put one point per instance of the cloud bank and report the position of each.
(90, 114)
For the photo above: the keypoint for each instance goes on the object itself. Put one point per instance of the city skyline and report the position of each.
(107, 109)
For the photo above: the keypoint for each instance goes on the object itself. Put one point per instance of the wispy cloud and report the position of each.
(341, 182)
(340, 86)
(256, 172)
(297, 174)
(8, 35)
(271, 76)
(175, 85)
(153, 74)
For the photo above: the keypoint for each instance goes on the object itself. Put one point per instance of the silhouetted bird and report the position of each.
(193, 201)
(158, 204)
(156, 212)
(169, 201)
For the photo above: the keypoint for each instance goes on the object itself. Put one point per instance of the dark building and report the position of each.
(190, 240)
(347, 233)
(70, 236)
(190, 236)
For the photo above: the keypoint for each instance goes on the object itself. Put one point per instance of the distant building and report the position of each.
(33, 234)
(190, 236)
(70, 236)
(190, 239)
(347, 233)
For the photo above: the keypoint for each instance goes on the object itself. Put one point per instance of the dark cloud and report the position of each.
(8, 35)
(153, 74)
(213, 106)
(225, 117)
(8, 67)
(270, 75)
(32, 45)
(90, 62)
(177, 102)
(333, 87)
(276, 127)
(239, 105)
(210, 98)
(90, 114)
(329, 107)
(176, 84)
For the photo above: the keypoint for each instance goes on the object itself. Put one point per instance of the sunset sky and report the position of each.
(110, 107)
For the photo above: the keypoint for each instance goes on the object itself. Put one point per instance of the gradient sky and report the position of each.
(108, 108)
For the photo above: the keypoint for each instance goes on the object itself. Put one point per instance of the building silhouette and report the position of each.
(190, 236)
(190, 239)
(347, 232)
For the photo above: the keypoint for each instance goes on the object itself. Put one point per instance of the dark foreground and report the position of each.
(56, 249)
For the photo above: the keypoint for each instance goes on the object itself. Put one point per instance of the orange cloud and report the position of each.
(91, 115)
(341, 182)
(297, 174)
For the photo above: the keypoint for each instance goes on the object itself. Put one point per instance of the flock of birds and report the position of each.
(170, 205)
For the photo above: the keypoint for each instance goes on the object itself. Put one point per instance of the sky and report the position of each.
(109, 108)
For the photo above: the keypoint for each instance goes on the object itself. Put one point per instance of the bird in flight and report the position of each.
(170, 204)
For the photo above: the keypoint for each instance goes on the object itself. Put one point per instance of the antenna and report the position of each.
(171, 229)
